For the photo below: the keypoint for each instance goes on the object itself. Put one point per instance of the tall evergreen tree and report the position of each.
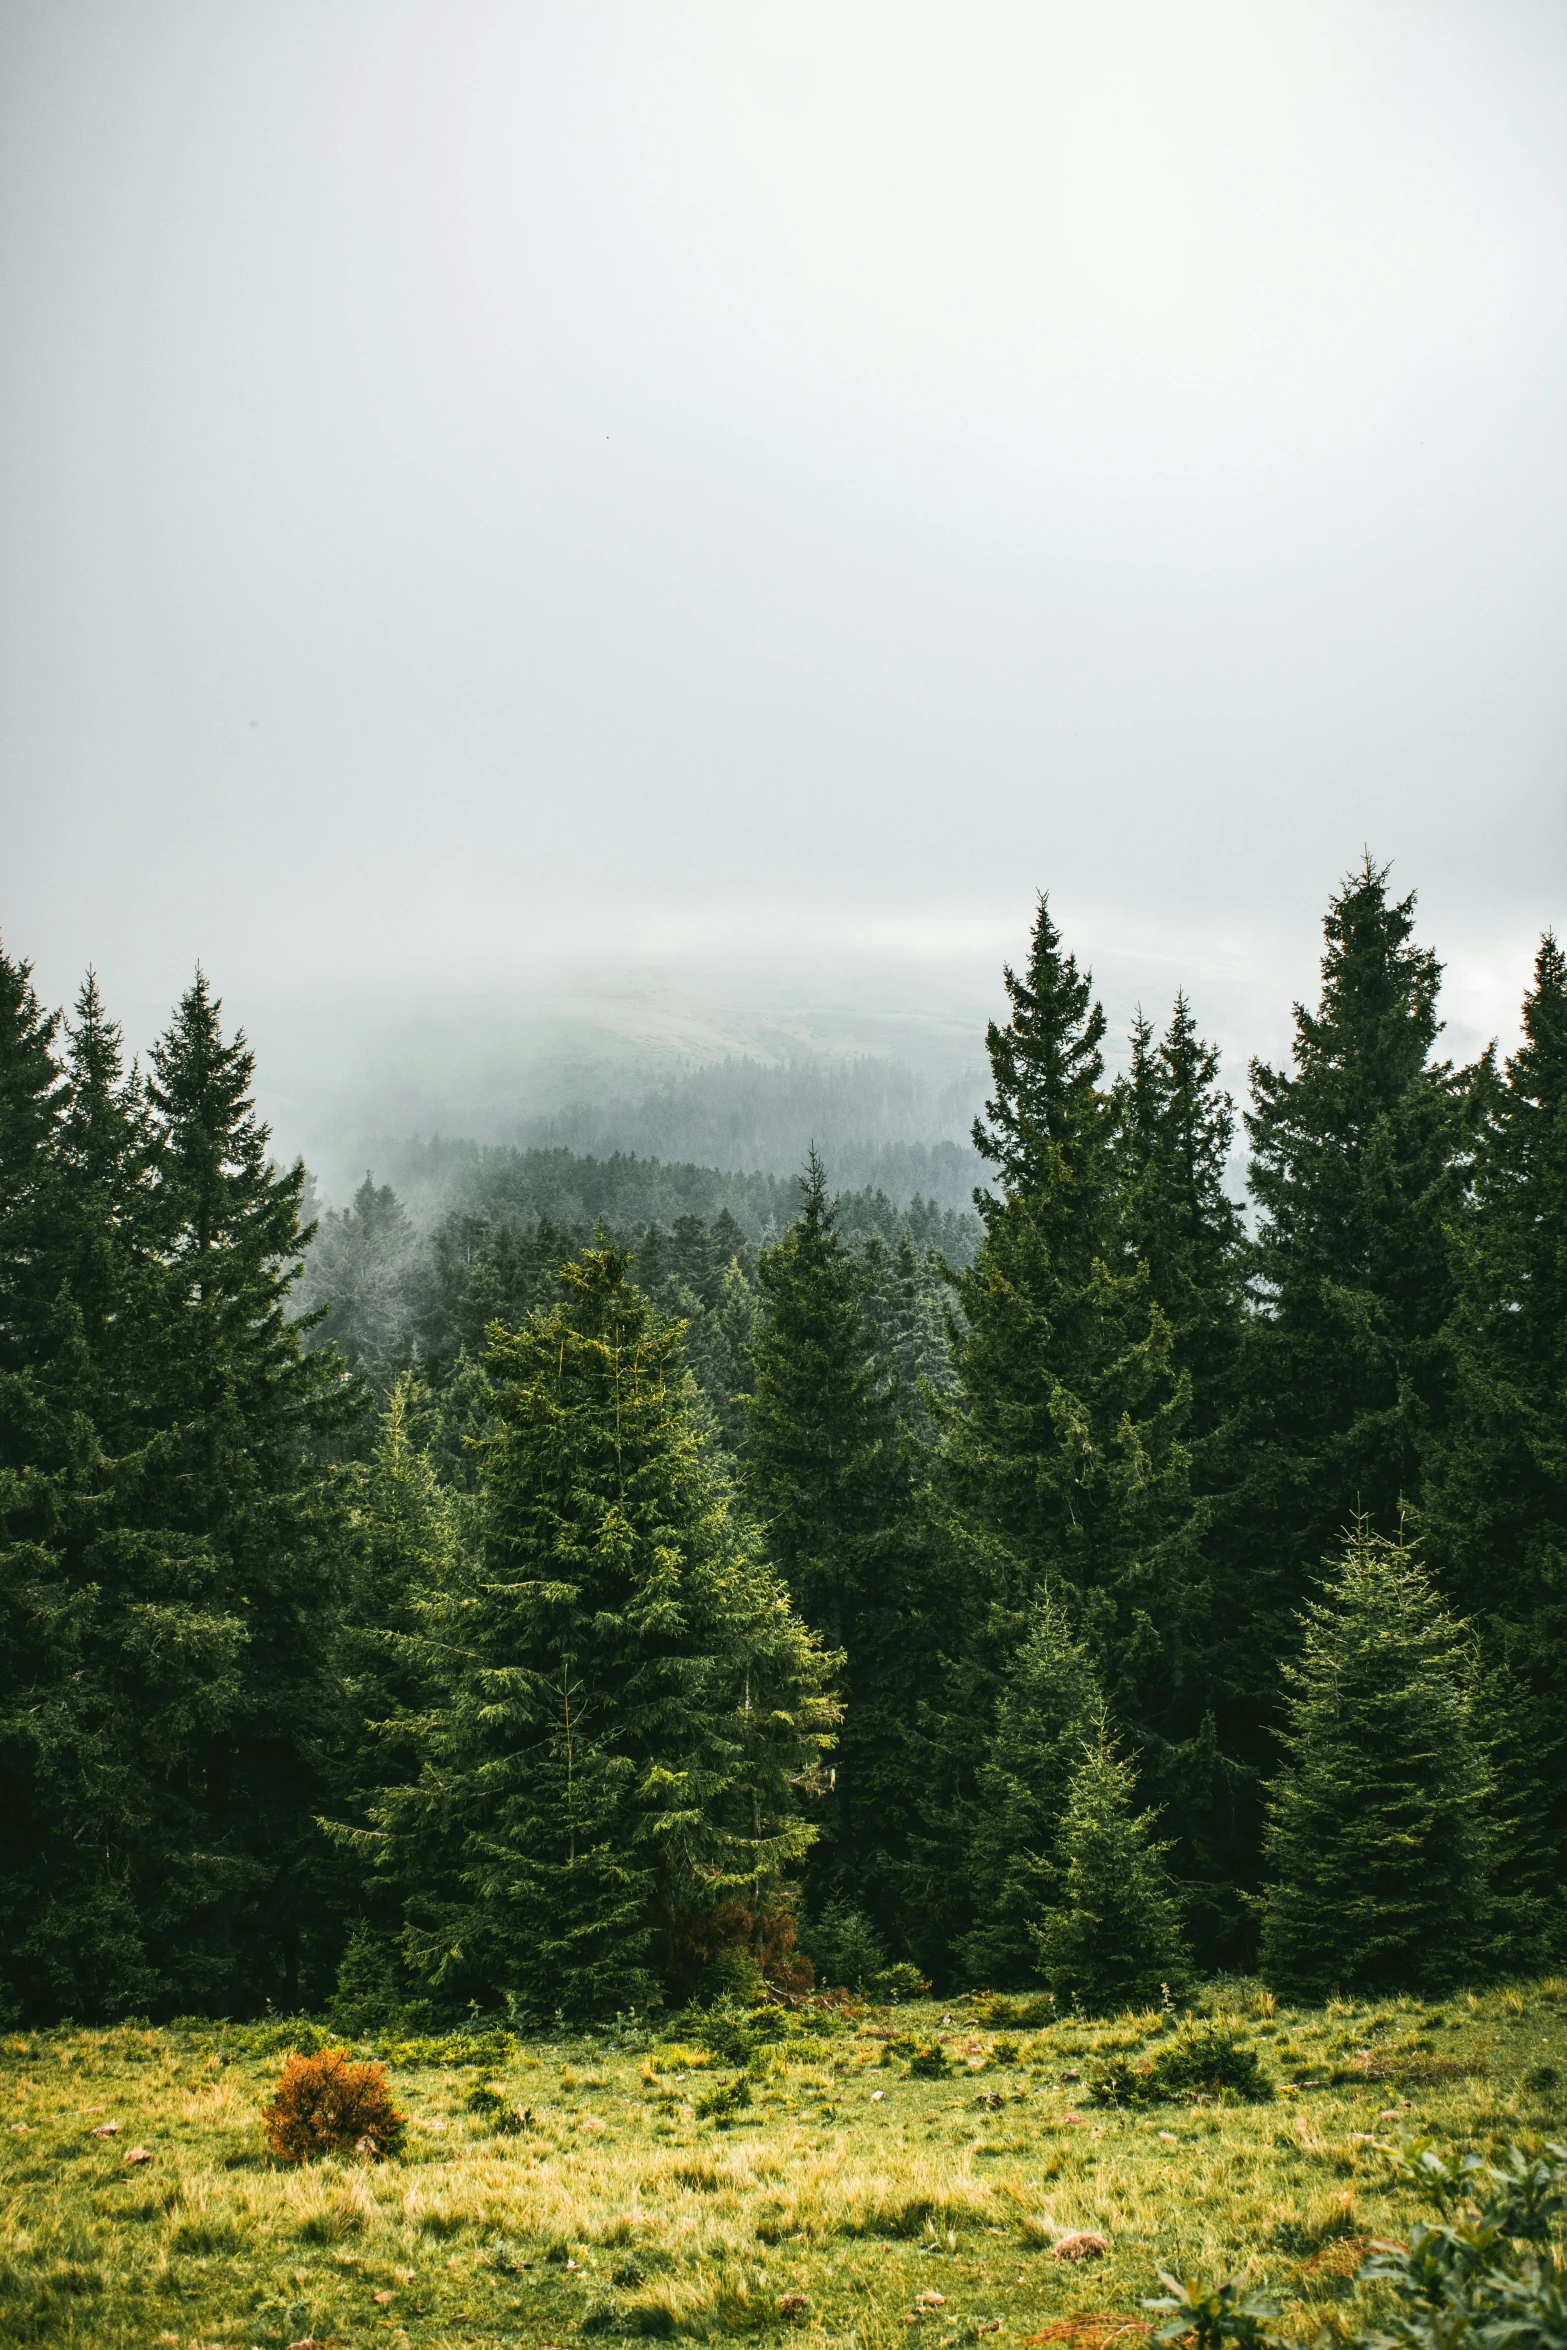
(1376, 1831)
(1494, 1501)
(410, 1533)
(1065, 1467)
(629, 1708)
(1069, 1440)
(124, 1661)
(1357, 1171)
(245, 1416)
(37, 1629)
(823, 1468)
(829, 1477)
(1174, 1130)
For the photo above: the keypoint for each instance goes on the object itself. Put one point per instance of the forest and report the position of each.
(634, 1583)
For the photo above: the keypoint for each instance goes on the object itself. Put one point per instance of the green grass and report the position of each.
(617, 2211)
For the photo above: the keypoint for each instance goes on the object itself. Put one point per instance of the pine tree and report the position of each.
(829, 1477)
(411, 1533)
(1356, 1171)
(124, 1658)
(1069, 1439)
(630, 1710)
(106, 1168)
(38, 1628)
(1064, 1466)
(1043, 1291)
(246, 1418)
(823, 1466)
(1050, 1706)
(357, 1282)
(1173, 1135)
(1113, 1938)
(1376, 1831)
(1494, 1502)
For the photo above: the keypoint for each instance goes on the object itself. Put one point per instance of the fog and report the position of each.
(549, 545)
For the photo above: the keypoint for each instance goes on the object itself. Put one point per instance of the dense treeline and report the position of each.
(879, 1124)
(514, 1186)
(567, 1616)
(390, 1295)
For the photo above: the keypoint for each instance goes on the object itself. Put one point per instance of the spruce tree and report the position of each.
(1494, 1501)
(357, 1283)
(823, 1466)
(1064, 1465)
(1049, 1707)
(629, 1711)
(38, 1630)
(1174, 1129)
(1113, 1937)
(1356, 1171)
(122, 1655)
(246, 1420)
(1068, 1441)
(410, 1534)
(1376, 1832)
(829, 1477)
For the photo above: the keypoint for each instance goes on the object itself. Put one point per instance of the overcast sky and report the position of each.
(696, 511)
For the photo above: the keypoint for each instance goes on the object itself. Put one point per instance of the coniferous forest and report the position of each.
(703, 1582)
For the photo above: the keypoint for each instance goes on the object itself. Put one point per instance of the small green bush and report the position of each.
(997, 2009)
(286, 2035)
(1203, 2060)
(722, 2105)
(734, 2034)
(492, 2049)
(490, 2102)
(1212, 2060)
(728, 2031)
(895, 1983)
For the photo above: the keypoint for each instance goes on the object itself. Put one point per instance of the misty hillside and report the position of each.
(878, 1124)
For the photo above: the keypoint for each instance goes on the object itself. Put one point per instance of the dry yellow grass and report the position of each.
(899, 2209)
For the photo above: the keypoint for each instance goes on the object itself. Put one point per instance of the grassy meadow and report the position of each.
(850, 2201)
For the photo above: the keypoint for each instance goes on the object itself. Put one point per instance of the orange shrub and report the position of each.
(327, 2105)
